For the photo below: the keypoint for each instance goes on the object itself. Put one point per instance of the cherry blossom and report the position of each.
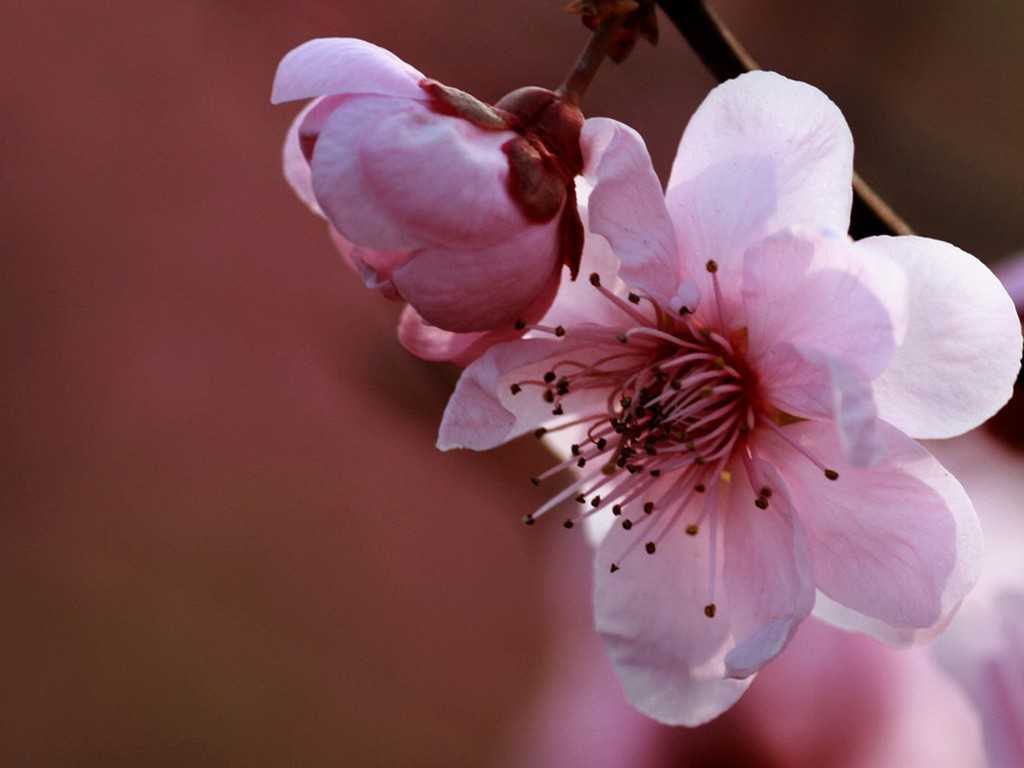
(464, 210)
(735, 386)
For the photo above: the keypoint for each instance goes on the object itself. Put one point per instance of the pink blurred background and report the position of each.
(226, 538)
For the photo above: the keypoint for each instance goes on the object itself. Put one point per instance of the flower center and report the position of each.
(662, 408)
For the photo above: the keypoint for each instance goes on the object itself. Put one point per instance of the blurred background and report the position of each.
(226, 537)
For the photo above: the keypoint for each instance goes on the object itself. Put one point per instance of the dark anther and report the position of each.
(831, 474)
(761, 502)
(623, 338)
(699, 488)
(581, 499)
(709, 610)
(535, 480)
(582, 462)
(616, 509)
(634, 299)
(649, 507)
(575, 448)
(627, 524)
(691, 530)
(712, 266)
(529, 520)
(595, 279)
(520, 325)
(766, 492)
(516, 389)
(601, 443)
(649, 546)
(540, 432)
(655, 473)
(567, 524)
(549, 377)
(557, 410)
(559, 331)
(614, 567)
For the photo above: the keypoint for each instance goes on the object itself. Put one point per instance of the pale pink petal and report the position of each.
(627, 206)
(767, 574)
(957, 365)
(898, 542)
(332, 65)
(821, 322)
(650, 613)
(483, 412)
(482, 289)
(814, 294)
(760, 154)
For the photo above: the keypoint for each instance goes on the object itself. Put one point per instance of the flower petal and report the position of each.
(296, 167)
(767, 574)
(762, 153)
(822, 321)
(414, 158)
(330, 65)
(483, 412)
(478, 290)
(816, 294)
(340, 180)
(897, 543)
(627, 206)
(957, 365)
(668, 654)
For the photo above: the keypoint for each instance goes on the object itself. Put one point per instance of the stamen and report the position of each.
(830, 474)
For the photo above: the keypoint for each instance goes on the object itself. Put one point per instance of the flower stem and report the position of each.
(725, 58)
(576, 82)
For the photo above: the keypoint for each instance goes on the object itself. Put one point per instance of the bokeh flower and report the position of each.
(463, 210)
(737, 386)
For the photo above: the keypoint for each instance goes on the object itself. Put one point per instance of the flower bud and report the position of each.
(464, 210)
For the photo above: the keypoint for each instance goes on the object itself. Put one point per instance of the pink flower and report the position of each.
(464, 210)
(734, 387)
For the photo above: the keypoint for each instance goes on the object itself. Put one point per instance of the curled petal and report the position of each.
(429, 342)
(330, 65)
(897, 543)
(957, 365)
(296, 165)
(627, 206)
(762, 153)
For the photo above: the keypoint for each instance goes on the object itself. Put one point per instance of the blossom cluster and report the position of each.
(735, 387)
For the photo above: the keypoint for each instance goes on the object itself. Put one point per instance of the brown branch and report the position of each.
(725, 58)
